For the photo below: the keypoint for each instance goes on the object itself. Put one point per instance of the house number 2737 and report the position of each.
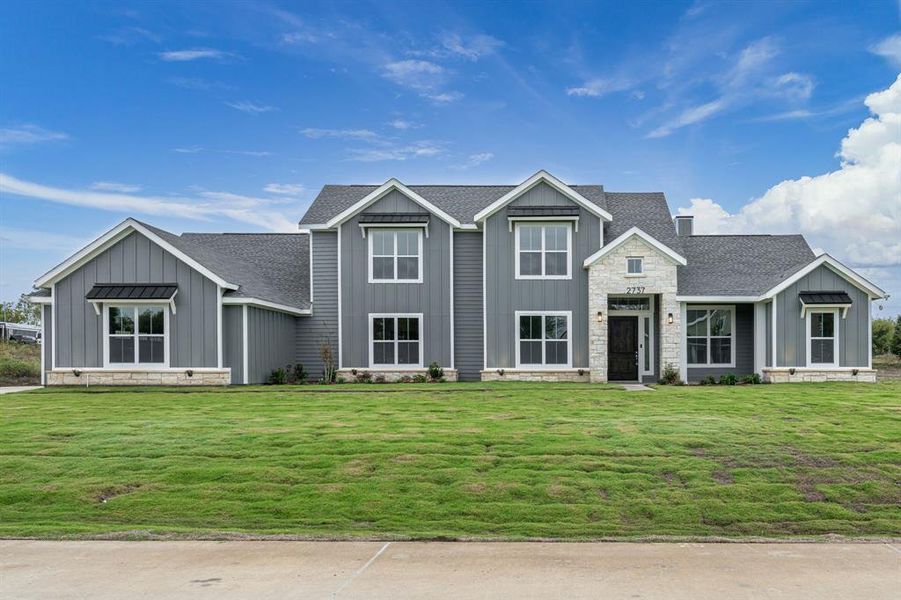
(635, 290)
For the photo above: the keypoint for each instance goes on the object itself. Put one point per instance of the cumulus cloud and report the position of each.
(29, 134)
(853, 211)
(113, 186)
(203, 206)
(890, 49)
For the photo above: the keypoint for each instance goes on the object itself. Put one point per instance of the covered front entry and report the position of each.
(622, 349)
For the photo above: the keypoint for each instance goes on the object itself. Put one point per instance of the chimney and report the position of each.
(684, 225)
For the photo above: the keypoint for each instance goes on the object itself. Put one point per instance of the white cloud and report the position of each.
(38, 241)
(255, 153)
(198, 83)
(689, 116)
(795, 86)
(403, 125)
(316, 133)
(29, 134)
(420, 75)
(853, 212)
(889, 48)
(188, 150)
(193, 54)
(421, 149)
(443, 97)
(207, 204)
(472, 48)
(287, 189)
(251, 108)
(113, 186)
(299, 37)
(474, 160)
(596, 88)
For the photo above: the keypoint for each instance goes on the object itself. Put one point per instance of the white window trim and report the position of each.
(835, 336)
(640, 272)
(419, 265)
(136, 365)
(543, 366)
(569, 250)
(643, 369)
(733, 336)
(395, 366)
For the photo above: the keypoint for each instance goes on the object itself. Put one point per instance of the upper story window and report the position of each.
(709, 333)
(395, 256)
(822, 338)
(635, 265)
(543, 251)
(136, 335)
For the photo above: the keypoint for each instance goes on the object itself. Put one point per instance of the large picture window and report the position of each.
(822, 340)
(136, 335)
(710, 332)
(543, 251)
(395, 256)
(543, 340)
(395, 341)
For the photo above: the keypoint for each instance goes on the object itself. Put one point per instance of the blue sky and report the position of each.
(230, 116)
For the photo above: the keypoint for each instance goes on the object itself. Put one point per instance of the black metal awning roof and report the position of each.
(132, 291)
(836, 297)
(542, 211)
(368, 218)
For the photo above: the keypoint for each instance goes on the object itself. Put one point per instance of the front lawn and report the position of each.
(454, 461)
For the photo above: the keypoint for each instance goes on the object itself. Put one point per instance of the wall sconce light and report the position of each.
(190, 372)
(76, 372)
(791, 371)
(855, 372)
(669, 319)
(600, 316)
(500, 372)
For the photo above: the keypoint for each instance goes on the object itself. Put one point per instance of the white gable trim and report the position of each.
(847, 273)
(635, 231)
(244, 301)
(539, 177)
(118, 233)
(388, 186)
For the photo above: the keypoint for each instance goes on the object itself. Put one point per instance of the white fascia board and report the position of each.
(313, 227)
(635, 231)
(846, 272)
(114, 235)
(543, 176)
(388, 186)
(717, 299)
(231, 301)
(40, 299)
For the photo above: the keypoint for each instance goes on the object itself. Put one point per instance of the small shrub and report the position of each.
(363, 377)
(709, 380)
(340, 380)
(420, 378)
(277, 377)
(728, 379)
(329, 367)
(752, 379)
(670, 375)
(436, 373)
(14, 368)
(299, 374)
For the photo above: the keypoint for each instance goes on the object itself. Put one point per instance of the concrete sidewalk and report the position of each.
(259, 570)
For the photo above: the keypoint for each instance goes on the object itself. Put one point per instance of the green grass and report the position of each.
(507, 461)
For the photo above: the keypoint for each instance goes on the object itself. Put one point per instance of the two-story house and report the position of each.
(537, 281)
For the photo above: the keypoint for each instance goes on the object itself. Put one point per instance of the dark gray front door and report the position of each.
(622, 349)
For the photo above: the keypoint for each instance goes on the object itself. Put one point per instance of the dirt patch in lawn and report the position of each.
(107, 494)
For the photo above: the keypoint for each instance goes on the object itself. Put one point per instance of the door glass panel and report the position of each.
(646, 342)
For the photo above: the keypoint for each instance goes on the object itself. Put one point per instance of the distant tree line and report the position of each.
(887, 336)
(20, 311)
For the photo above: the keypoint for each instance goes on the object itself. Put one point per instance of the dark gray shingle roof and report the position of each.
(739, 265)
(459, 201)
(646, 210)
(269, 266)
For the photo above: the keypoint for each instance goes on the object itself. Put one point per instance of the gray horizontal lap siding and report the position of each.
(233, 341)
(270, 342)
(322, 326)
(359, 298)
(468, 340)
(506, 294)
(791, 340)
(135, 259)
(744, 348)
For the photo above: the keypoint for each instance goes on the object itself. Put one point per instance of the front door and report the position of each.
(622, 349)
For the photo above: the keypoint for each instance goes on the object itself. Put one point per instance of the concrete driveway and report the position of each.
(224, 570)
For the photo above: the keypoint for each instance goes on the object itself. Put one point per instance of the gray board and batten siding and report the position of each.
(853, 330)
(136, 259)
(320, 328)
(506, 294)
(359, 298)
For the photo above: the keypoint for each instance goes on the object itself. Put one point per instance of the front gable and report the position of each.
(632, 240)
(539, 187)
(395, 193)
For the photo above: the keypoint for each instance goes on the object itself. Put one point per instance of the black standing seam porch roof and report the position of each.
(811, 298)
(394, 218)
(542, 211)
(132, 291)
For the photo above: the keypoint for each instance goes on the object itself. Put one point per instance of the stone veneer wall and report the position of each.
(520, 375)
(394, 375)
(607, 277)
(783, 375)
(150, 377)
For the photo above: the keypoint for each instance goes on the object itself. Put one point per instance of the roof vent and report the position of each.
(684, 225)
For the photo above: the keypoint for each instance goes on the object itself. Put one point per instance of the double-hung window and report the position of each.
(543, 340)
(634, 266)
(709, 333)
(136, 335)
(543, 250)
(395, 340)
(395, 256)
(822, 346)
